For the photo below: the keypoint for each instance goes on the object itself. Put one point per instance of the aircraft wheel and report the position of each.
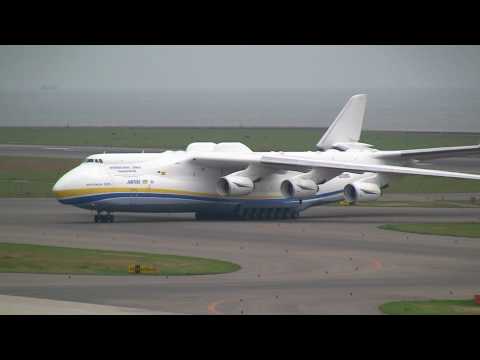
(203, 216)
(262, 215)
(277, 213)
(270, 214)
(101, 218)
(266, 214)
(244, 214)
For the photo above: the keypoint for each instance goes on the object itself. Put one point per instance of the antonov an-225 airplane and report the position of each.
(230, 180)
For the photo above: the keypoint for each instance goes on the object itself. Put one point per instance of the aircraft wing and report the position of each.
(279, 161)
(358, 167)
(432, 153)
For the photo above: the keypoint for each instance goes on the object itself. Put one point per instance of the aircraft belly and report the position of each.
(173, 203)
(159, 204)
(168, 202)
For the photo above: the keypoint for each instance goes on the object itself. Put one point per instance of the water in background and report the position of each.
(388, 109)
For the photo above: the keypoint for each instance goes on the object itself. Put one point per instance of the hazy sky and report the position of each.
(238, 67)
(409, 87)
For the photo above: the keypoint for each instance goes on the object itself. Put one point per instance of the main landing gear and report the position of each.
(104, 218)
(251, 214)
(269, 214)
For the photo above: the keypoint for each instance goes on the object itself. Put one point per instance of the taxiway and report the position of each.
(332, 260)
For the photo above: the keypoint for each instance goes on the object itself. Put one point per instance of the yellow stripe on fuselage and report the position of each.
(105, 190)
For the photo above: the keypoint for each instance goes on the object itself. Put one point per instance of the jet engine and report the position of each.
(298, 188)
(361, 191)
(232, 185)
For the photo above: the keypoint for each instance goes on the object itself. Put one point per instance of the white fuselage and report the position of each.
(173, 181)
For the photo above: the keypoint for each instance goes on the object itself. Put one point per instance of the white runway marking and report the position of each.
(56, 148)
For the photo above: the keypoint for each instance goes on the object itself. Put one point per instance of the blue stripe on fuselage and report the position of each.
(98, 197)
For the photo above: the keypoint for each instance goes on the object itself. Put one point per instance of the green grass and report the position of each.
(394, 140)
(26, 258)
(447, 229)
(31, 176)
(428, 184)
(431, 307)
(259, 139)
(176, 138)
(456, 204)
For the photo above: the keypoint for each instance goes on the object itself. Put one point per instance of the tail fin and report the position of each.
(347, 127)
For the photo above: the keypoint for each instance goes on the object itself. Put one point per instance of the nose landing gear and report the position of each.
(104, 218)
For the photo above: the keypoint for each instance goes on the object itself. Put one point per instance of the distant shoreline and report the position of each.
(414, 109)
(237, 127)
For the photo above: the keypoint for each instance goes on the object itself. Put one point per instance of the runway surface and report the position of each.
(333, 260)
(18, 305)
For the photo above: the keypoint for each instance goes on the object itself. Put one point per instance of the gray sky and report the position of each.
(409, 87)
(238, 67)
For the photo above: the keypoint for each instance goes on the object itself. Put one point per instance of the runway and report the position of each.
(333, 260)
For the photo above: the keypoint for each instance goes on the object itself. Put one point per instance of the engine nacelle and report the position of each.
(298, 188)
(361, 191)
(232, 185)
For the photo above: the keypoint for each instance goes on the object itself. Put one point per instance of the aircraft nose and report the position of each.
(63, 184)
(75, 181)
